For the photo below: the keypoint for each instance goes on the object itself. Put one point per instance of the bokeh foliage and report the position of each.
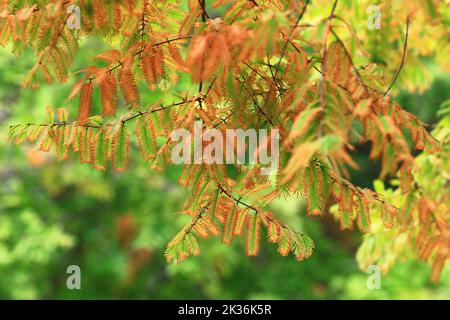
(54, 214)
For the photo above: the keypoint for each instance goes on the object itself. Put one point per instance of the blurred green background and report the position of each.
(115, 226)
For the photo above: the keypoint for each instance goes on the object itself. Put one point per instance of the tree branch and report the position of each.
(239, 201)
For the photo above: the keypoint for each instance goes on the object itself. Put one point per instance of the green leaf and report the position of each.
(229, 226)
(302, 246)
(120, 147)
(312, 196)
(253, 234)
(346, 209)
(100, 151)
(144, 139)
(363, 217)
(61, 147)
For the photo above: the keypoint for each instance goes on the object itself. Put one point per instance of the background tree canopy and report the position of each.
(364, 155)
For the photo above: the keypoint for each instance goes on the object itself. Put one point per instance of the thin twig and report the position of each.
(324, 62)
(347, 53)
(405, 47)
(131, 117)
(138, 52)
(324, 55)
(202, 4)
(197, 218)
(205, 15)
(239, 201)
(283, 51)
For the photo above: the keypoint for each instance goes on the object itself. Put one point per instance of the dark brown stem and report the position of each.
(120, 62)
(283, 51)
(204, 17)
(347, 53)
(87, 125)
(239, 201)
(324, 55)
(203, 7)
(405, 47)
(192, 225)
